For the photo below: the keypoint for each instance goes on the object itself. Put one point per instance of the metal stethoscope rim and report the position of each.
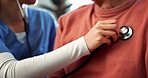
(126, 32)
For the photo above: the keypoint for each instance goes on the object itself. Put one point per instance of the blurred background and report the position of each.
(60, 7)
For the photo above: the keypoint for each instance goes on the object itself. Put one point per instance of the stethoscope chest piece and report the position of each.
(126, 32)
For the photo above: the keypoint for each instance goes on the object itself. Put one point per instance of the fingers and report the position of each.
(108, 28)
(106, 40)
(101, 33)
(112, 27)
(109, 34)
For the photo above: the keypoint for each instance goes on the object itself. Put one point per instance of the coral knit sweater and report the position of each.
(122, 59)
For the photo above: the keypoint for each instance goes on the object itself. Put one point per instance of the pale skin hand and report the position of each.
(100, 34)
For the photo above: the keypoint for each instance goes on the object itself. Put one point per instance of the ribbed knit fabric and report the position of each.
(122, 59)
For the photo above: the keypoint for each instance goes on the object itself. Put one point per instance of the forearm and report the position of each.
(46, 64)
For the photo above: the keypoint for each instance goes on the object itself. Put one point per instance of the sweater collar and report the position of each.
(113, 11)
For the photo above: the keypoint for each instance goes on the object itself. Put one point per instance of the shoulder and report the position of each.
(78, 13)
(75, 17)
(39, 13)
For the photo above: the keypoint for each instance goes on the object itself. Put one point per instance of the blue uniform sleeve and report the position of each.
(3, 47)
(52, 37)
(52, 25)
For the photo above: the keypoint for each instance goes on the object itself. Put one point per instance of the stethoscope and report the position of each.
(126, 33)
(26, 26)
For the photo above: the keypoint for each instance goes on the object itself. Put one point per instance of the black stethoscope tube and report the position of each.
(84, 63)
(26, 26)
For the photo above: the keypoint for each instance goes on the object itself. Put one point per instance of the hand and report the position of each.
(101, 33)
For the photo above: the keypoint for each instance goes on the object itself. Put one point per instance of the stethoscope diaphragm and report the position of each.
(126, 32)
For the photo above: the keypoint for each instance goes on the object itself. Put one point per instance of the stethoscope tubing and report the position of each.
(26, 26)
